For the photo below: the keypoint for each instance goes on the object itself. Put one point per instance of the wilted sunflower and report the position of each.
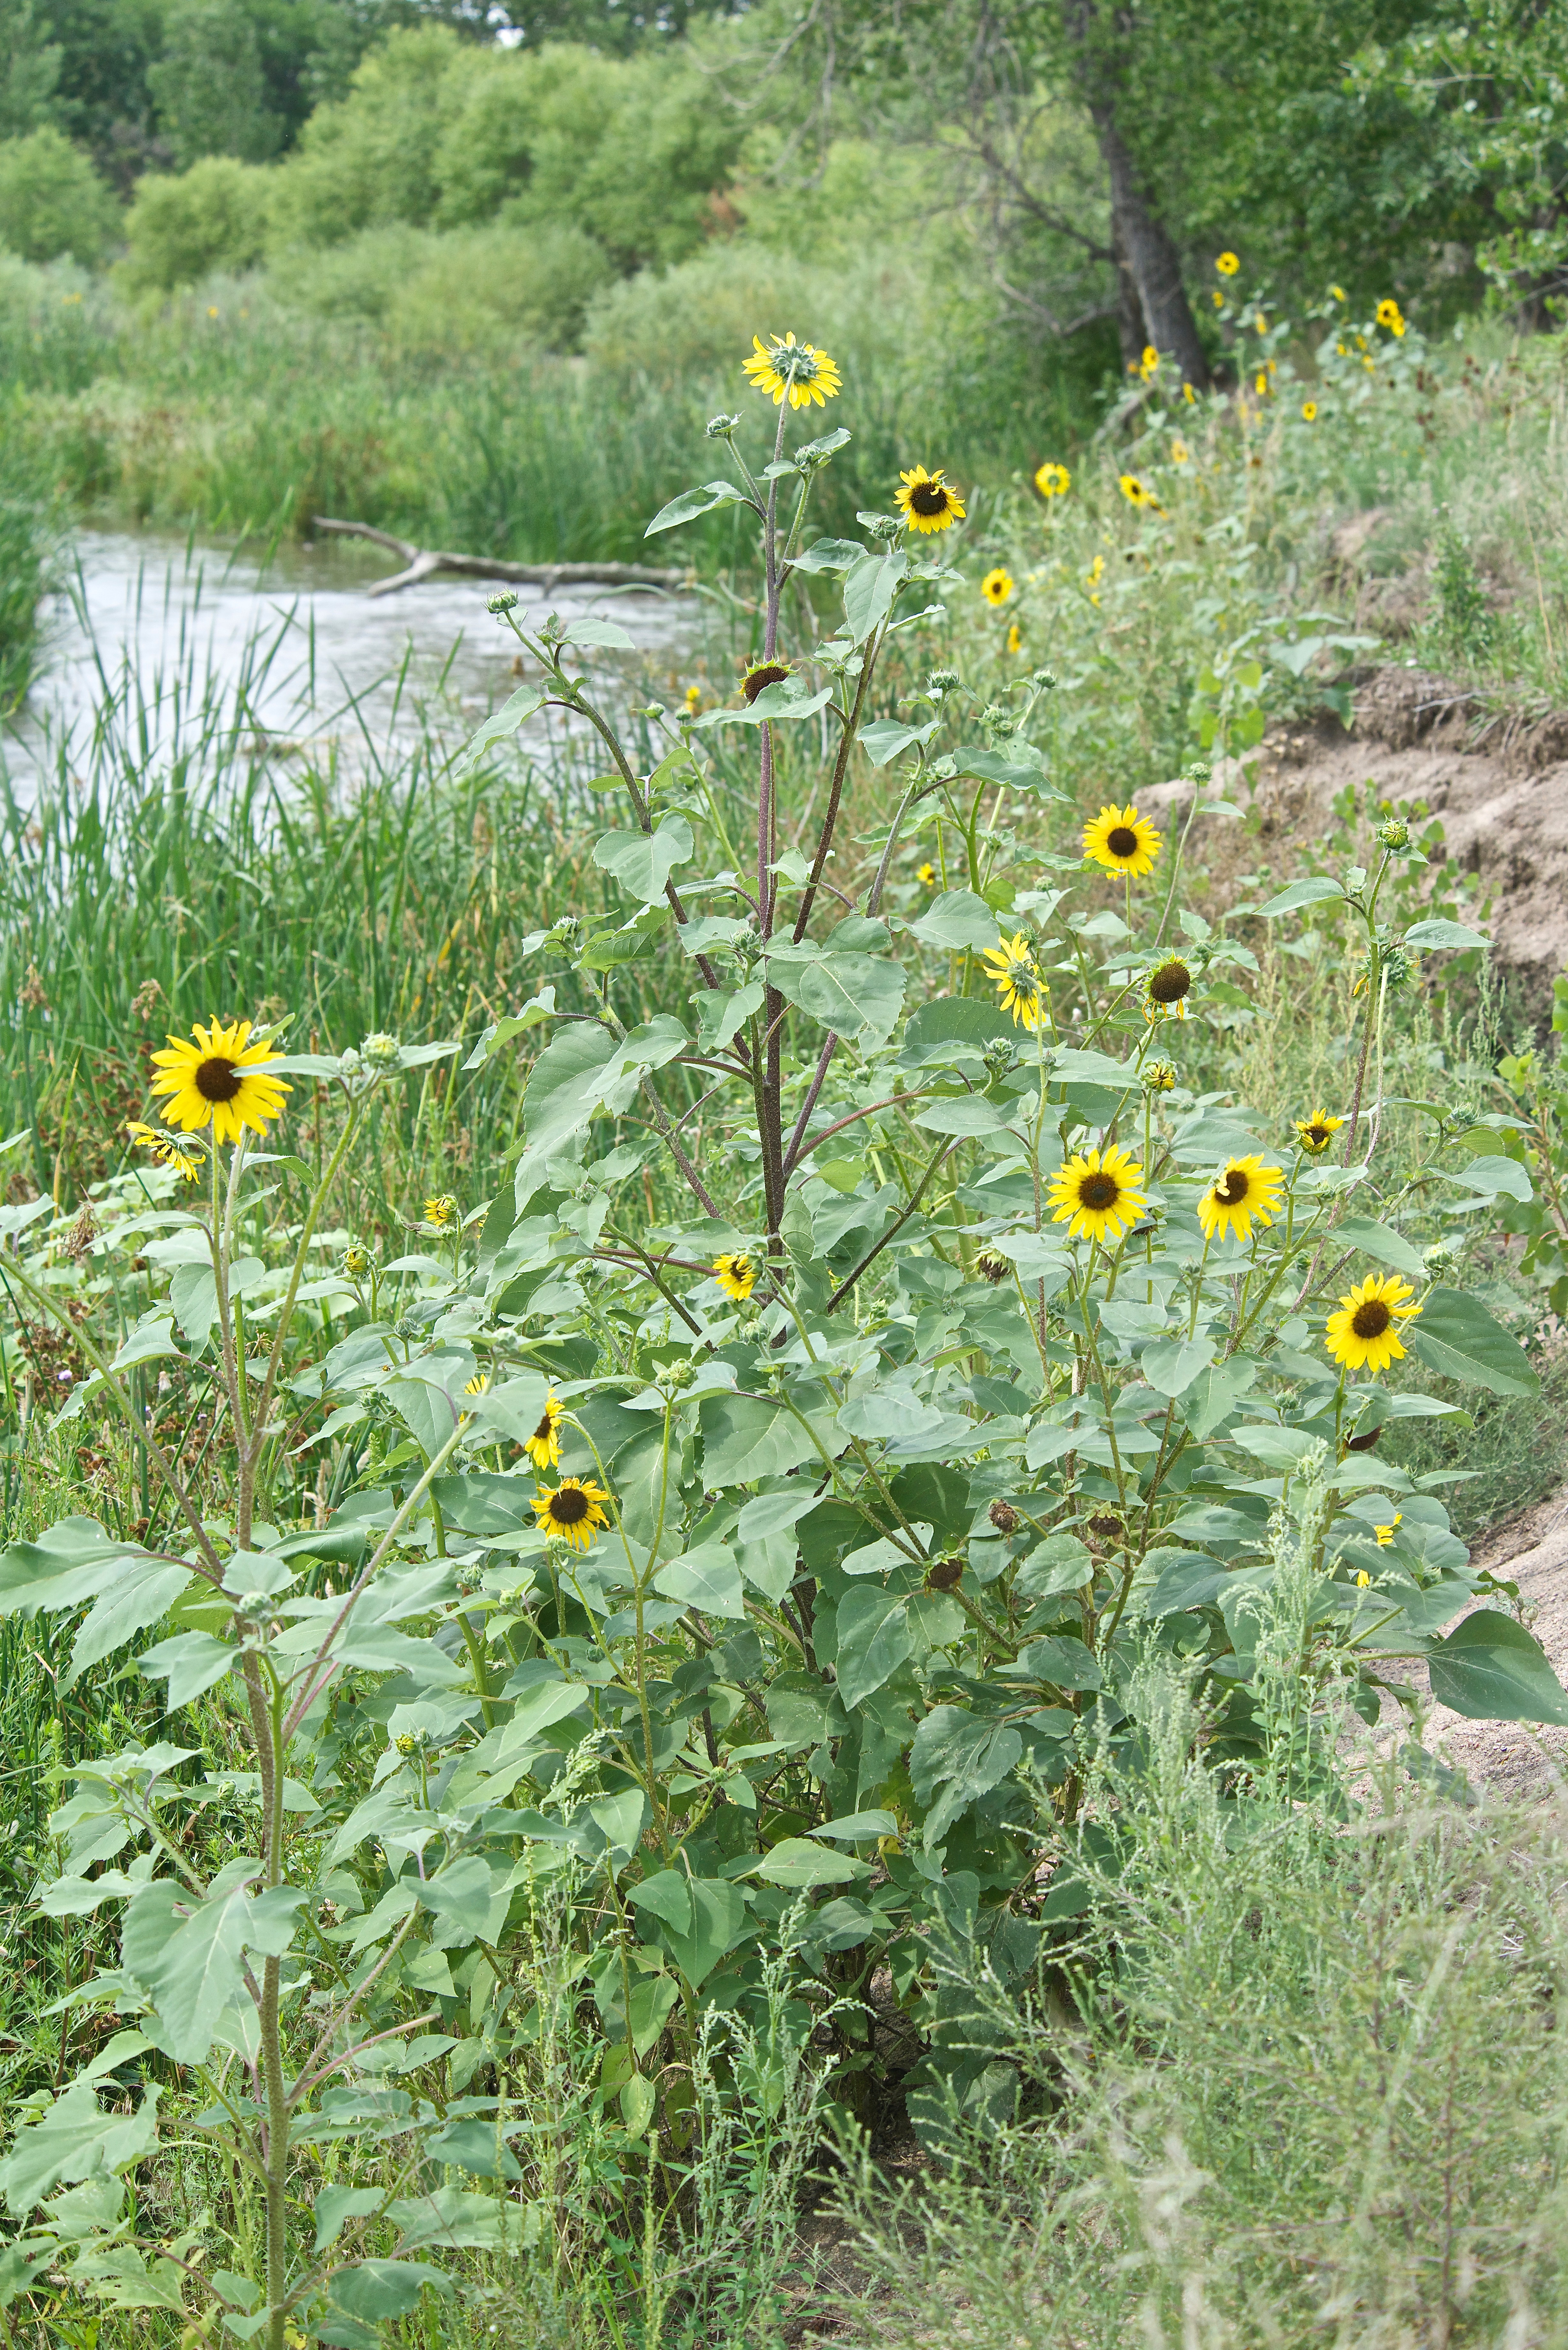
(1121, 840)
(1364, 1334)
(1316, 1132)
(169, 1150)
(736, 1273)
(997, 586)
(574, 1510)
(928, 501)
(1166, 989)
(220, 1078)
(1097, 1194)
(797, 372)
(1228, 265)
(544, 1447)
(991, 1265)
(1052, 481)
(1390, 314)
(1244, 1188)
(1012, 970)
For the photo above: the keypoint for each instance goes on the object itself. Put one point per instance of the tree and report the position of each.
(29, 69)
(52, 200)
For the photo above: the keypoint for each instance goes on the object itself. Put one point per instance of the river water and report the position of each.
(154, 635)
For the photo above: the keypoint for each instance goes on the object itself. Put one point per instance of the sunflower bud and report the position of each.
(503, 600)
(1004, 1517)
(997, 723)
(1043, 681)
(719, 428)
(356, 1260)
(1440, 1256)
(379, 1051)
(1394, 832)
(1157, 1076)
(943, 681)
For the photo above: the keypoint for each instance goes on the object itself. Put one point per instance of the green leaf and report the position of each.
(875, 1637)
(336, 2206)
(1171, 1367)
(692, 503)
(609, 633)
(828, 555)
(639, 2103)
(1380, 1241)
(501, 723)
(459, 1893)
(642, 862)
(1455, 1334)
(668, 1895)
(745, 1437)
(380, 2291)
(790, 698)
(1438, 933)
(965, 1757)
(1490, 1669)
(796, 1861)
(190, 1663)
(718, 1920)
(143, 1590)
(956, 920)
(74, 2140)
(196, 1972)
(869, 592)
(1314, 891)
(964, 1022)
(1495, 1174)
(1061, 1562)
(517, 1408)
(886, 737)
(706, 1578)
(562, 1092)
(855, 994)
(962, 1113)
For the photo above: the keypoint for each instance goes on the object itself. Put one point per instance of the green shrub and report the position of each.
(52, 200)
(468, 290)
(212, 216)
(27, 548)
(209, 86)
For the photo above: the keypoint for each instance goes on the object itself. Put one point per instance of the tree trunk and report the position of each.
(1131, 332)
(1151, 257)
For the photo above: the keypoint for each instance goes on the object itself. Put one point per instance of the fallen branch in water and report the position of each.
(423, 563)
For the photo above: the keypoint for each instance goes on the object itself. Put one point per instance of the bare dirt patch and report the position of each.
(1500, 784)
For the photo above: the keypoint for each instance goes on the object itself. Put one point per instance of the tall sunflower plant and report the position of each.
(757, 1575)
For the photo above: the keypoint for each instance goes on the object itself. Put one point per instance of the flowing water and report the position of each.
(291, 651)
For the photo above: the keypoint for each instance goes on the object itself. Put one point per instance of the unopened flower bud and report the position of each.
(503, 600)
(356, 1260)
(719, 427)
(943, 681)
(380, 1051)
(1394, 832)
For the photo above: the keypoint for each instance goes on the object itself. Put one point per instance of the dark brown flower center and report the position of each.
(929, 498)
(945, 1575)
(1121, 840)
(543, 1432)
(1170, 982)
(1371, 1318)
(766, 673)
(569, 1506)
(1317, 1135)
(217, 1080)
(1232, 1188)
(1098, 1192)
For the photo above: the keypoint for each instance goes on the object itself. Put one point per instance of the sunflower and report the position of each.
(1316, 1133)
(220, 1078)
(544, 1447)
(1337, 291)
(997, 586)
(797, 371)
(574, 1510)
(760, 675)
(1390, 314)
(478, 1385)
(1179, 452)
(926, 873)
(1015, 639)
(1121, 840)
(1385, 1534)
(1136, 491)
(1362, 1580)
(1364, 1334)
(1217, 297)
(441, 1212)
(1098, 1195)
(1148, 365)
(1244, 1188)
(736, 1273)
(1052, 481)
(693, 699)
(1228, 265)
(169, 1150)
(991, 1265)
(1158, 1077)
(928, 503)
(1309, 412)
(1261, 384)
(1166, 991)
(1012, 970)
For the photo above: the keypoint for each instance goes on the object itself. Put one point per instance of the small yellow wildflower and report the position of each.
(573, 1510)
(1309, 412)
(1012, 969)
(1364, 1333)
(997, 586)
(1052, 481)
(797, 371)
(1316, 1132)
(1015, 639)
(926, 873)
(736, 1273)
(220, 1077)
(1096, 1195)
(1390, 314)
(1244, 1188)
(1228, 265)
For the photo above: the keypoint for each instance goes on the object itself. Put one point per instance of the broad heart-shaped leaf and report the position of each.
(1171, 1367)
(964, 1756)
(516, 1407)
(718, 1919)
(1455, 1334)
(380, 2291)
(875, 1637)
(796, 1861)
(790, 698)
(562, 1093)
(745, 1437)
(949, 1024)
(668, 1894)
(74, 2141)
(459, 1894)
(828, 555)
(956, 920)
(143, 1590)
(853, 994)
(71, 1561)
(1438, 933)
(869, 592)
(501, 723)
(886, 737)
(609, 633)
(692, 503)
(1495, 1174)
(1315, 892)
(1383, 1243)
(190, 1663)
(192, 1972)
(706, 1578)
(643, 862)
(1490, 1669)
